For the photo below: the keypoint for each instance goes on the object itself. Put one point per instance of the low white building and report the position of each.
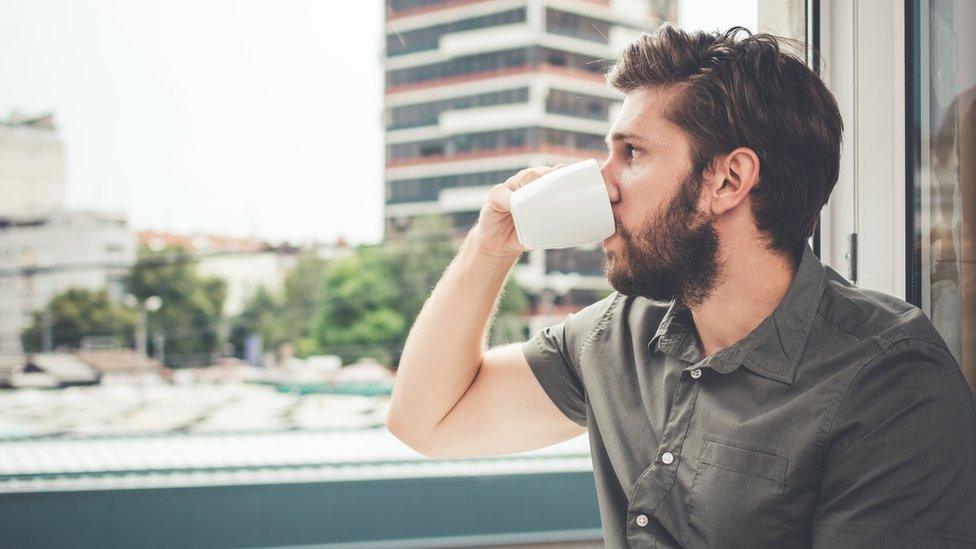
(245, 264)
(247, 272)
(43, 256)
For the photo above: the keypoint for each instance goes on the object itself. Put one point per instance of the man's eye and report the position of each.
(630, 150)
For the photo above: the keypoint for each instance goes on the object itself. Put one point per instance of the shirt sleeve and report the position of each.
(553, 355)
(900, 457)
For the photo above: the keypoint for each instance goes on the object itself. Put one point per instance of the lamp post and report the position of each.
(150, 305)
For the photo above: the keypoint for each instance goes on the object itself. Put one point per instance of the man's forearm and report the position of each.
(448, 339)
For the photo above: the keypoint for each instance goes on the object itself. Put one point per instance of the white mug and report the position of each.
(563, 208)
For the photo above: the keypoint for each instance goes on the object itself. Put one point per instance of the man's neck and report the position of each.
(750, 287)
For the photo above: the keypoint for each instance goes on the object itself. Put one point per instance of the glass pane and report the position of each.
(946, 199)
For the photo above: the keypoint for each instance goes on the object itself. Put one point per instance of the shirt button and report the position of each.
(696, 373)
(667, 458)
(642, 520)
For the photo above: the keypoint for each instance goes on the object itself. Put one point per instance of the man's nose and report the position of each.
(608, 180)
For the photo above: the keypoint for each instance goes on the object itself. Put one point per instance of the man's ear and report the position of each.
(733, 176)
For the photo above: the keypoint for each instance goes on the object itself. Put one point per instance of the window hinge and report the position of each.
(851, 257)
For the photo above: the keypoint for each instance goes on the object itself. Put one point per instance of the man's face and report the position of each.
(665, 246)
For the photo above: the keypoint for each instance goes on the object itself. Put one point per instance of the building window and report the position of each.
(394, 6)
(497, 61)
(483, 62)
(427, 114)
(428, 38)
(577, 26)
(428, 188)
(575, 140)
(578, 104)
(575, 260)
(941, 270)
(498, 140)
(463, 221)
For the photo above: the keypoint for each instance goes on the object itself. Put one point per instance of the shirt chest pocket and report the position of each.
(736, 497)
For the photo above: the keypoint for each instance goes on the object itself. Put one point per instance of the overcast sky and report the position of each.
(238, 117)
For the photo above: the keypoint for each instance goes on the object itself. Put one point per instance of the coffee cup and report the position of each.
(563, 208)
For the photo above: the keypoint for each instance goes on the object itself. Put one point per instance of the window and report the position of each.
(426, 114)
(577, 26)
(428, 38)
(941, 266)
(458, 67)
(578, 104)
(573, 260)
(496, 61)
(496, 140)
(428, 188)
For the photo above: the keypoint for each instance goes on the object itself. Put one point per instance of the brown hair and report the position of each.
(748, 93)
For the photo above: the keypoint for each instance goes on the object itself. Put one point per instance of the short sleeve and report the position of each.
(553, 356)
(900, 456)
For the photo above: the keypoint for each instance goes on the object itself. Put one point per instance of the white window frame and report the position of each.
(863, 52)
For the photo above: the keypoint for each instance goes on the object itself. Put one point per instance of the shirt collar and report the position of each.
(773, 349)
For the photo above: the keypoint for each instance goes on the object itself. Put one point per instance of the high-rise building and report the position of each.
(31, 166)
(477, 90)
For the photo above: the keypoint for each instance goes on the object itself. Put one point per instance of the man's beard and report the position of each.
(671, 257)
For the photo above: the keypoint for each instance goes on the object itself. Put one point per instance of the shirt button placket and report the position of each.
(658, 478)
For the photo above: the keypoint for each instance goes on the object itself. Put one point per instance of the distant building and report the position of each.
(477, 90)
(31, 166)
(244, 264)
(45, 250)
(43, 256)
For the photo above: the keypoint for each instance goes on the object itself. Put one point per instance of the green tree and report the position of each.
(600, 294)
(262, 315)
(288, 317)
(507, 326)
(76, 314)
(373, 297)
(304, 296)
(190, 315)
(359, 316)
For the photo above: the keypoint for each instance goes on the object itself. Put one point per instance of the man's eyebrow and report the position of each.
(621, 136)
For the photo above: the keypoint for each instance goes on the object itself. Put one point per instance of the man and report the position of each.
(736, 391)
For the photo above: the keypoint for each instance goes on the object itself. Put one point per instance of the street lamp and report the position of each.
(150, 305)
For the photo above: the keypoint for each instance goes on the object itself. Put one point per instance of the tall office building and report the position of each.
(31, 166)
(477, 90)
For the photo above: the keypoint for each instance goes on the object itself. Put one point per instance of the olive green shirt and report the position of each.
(842, 420)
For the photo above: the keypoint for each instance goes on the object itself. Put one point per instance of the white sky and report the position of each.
(239, 117)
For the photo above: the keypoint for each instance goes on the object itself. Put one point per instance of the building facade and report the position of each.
(45, 255)
(31, 166)
(478, 90)
(245, 264)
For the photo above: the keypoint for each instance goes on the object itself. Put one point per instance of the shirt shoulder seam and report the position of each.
(839, 402)
(881, 335)
(839, 327)
(600, 325)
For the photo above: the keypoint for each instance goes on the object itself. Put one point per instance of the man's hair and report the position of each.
(747, 93)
